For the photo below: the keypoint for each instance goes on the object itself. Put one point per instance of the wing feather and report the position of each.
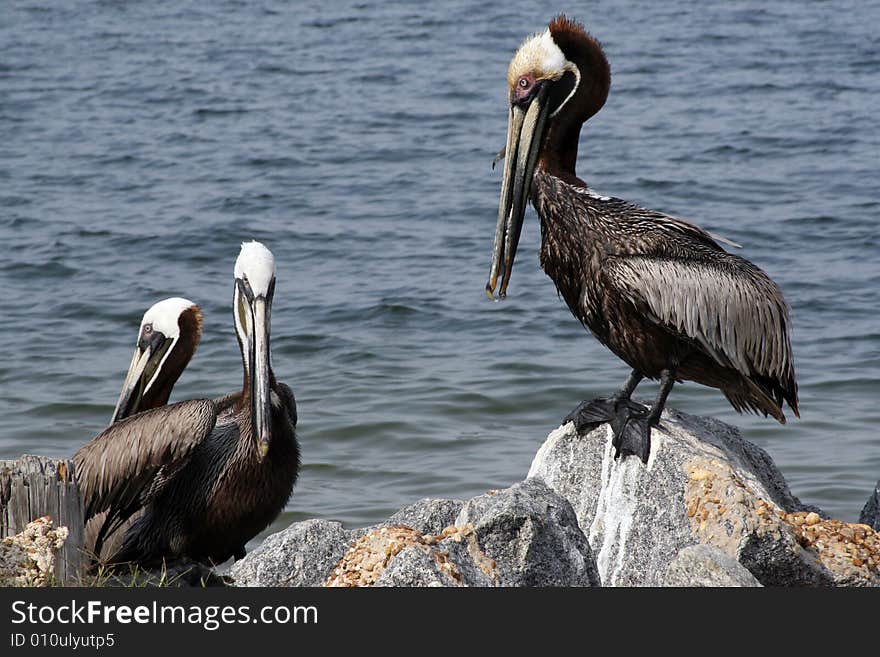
(725, 304)
(121, 467)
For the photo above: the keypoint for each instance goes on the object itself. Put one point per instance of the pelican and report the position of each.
(659, 292)
(200, 478)
(168, 336)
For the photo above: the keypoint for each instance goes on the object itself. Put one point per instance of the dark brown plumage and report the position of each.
(659, 292)
(223, 494)
(200, 478)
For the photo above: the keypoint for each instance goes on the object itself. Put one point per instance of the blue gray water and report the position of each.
(140, 143)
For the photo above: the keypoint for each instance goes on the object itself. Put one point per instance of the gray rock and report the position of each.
(704, 565)
(301, 555)
(703, 484)
(532, 535)
(526, 535)
(414, 567)
(428, 515)
(450, 563)
(871, 513)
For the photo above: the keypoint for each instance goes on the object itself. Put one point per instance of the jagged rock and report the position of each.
(28, 558)
(455, 561)
(871, 513)
(304, 554)
(703, 484)
(401, 556)
(416, 567)
(704, 565)
(708, 509)
(428, 515)
(526, 535)
(532, 535)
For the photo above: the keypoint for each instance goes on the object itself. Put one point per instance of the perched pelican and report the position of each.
(659, 292)
(203, 476)
(167, 339)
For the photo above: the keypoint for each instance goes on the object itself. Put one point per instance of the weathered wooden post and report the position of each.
(36, 486)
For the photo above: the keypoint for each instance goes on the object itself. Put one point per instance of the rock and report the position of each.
(428, 516)
(401, 556)
(28, 558)
(416, 567)
(703, 484)
(704, 565)
(871, 513)
(708, 509)
(304, 554)
(453, 559)
(526, 535)
(532, 535)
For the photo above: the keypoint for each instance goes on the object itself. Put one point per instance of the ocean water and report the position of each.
(141, 143)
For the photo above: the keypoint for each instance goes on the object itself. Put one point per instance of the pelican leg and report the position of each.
(631, 423)
(632, 435)
(615, 409)
(667, 380)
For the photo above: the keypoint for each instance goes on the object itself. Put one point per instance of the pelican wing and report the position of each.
(287, 397)
(118, 469)
(725, 304)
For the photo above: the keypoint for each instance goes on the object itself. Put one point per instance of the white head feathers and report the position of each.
(256, 263)
(165, 314)
(539, 56)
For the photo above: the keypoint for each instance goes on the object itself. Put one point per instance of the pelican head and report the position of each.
(252, 307)
(168, 336)
(556, 80)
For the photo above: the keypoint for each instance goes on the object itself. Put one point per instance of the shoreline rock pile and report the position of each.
(708, 509)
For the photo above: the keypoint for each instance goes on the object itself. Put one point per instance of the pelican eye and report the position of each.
(524, 83)
(148, 328)
(246, 286)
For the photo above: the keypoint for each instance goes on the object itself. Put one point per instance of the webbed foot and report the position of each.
(630, 423)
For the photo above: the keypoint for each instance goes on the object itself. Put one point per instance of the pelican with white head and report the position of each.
(252, 306)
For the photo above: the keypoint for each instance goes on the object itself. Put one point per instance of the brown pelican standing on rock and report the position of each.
(659, 292)
(203, 476)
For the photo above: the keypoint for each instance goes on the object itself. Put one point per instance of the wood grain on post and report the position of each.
(35, 486)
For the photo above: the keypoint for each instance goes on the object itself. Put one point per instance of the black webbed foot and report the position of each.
(632, 435)
(630, 423)
(590, 414)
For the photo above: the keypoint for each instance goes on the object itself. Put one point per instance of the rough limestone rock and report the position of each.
(428, 515)
(28, 558)
(532, 535)
(413, 566)
(526, 535)
(456, 561)
(703, 484)
(400, 556)
(871, 513)
(301, 555)
(704, 565)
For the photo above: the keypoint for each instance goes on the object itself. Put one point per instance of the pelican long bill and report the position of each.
(260, 378)
(525, 131)
(145, 365)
